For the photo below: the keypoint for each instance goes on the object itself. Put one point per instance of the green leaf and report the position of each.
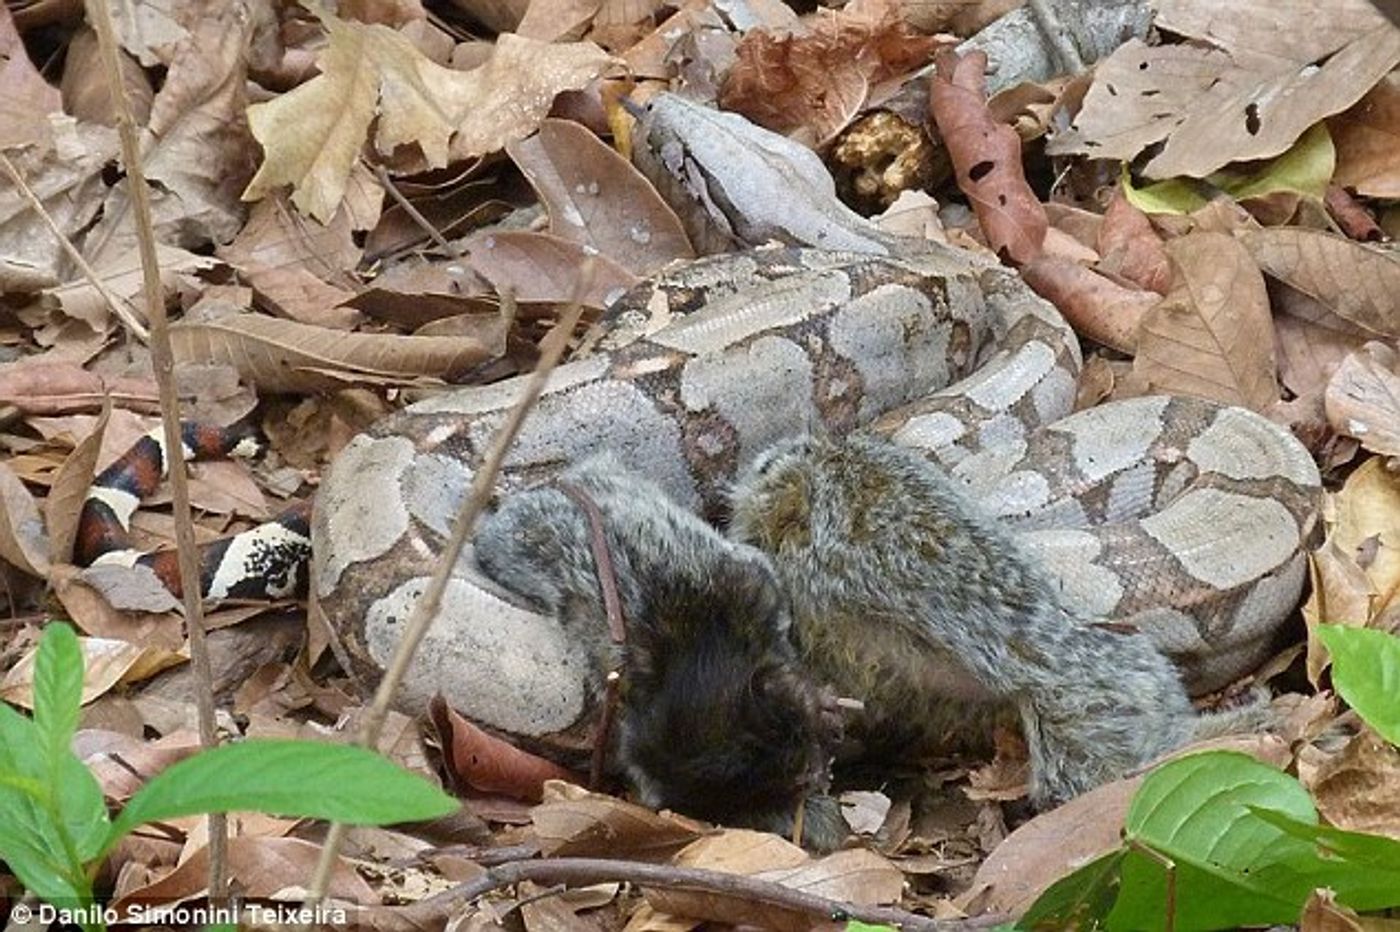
(1245, 845)
(1304, 169)
(58, 692)
(1080, 900)
(303, 779)
(1173, 196)
(1363, 870)
(31, 837)
(1366, 671)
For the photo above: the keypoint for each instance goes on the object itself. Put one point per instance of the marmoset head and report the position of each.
(720, 720)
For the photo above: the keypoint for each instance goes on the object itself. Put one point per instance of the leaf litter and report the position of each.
(1183, 201)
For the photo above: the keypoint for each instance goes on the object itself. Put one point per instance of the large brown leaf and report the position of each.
(285, 356)
(1212, 336)
(986, 155)
(573, 821)
(1356, 282)
(595, 197)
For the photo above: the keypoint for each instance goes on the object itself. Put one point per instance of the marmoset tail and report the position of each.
(906, 597)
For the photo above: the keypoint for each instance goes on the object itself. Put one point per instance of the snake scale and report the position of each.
(1177, 516)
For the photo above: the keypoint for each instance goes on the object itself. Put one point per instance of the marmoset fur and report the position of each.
(716, 717)
(906, 597)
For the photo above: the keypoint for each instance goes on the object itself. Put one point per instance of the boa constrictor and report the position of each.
(1178, 516)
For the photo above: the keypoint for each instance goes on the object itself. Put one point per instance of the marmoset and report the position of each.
(907, 598)
(716, 718)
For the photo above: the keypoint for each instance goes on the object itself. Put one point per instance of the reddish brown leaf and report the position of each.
(487, 763)
(1131, 248)
(1097, 308)
(986, 157)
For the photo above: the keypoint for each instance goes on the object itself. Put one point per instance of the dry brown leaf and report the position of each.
(486, 763)
(1270, 33)
(312, 135)
(67, 178)
(1366, 138)
(37, 386)
(1052, 844)
(552, 20)
(122, 277)
(300, 267)
(196, 148)
(107, 662)
(1356, 282)
(596, 198)
(1363, 398)
(26, 99)
(1358, 570)
(94, 614)
(1312, 342)
(263, 868)
(986, 157)
(810, 84)
(1212, 335)
(1211, 110)
(741, 851)
(285, 356)
(541, 267)
(1359, 789)
(64, 504)
(1130, 247)
(122, 763)
(855, 875)
(23, 541)
(573, 821)
(1098, 308)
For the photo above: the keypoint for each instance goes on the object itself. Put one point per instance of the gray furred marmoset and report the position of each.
(716, 718)
(906, 597)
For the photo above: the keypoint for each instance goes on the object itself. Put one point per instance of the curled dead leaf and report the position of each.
(986, 157)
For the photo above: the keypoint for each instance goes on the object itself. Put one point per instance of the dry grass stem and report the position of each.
(118, 306)
(425, 610)
(163, 362)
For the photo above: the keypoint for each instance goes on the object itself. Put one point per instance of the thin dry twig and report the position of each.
(415, 214)
(586, 871)
(117, 305)
(552, 348)
(163, 362)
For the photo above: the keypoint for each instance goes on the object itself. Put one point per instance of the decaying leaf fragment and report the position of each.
(810, 85)
(313, 134)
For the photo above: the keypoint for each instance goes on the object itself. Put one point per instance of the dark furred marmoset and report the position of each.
(855, 565)
(906, 597)
(716, 718)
